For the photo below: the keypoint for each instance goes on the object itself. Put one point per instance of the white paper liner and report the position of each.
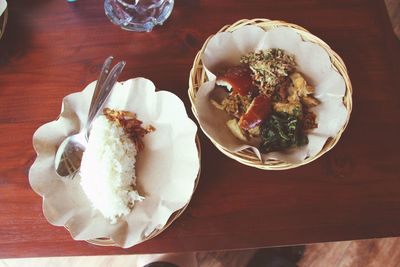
(166, 169)
(3, 6)
(225, 49)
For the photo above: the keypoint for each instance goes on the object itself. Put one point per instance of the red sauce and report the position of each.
(239, 77)
(258, 111)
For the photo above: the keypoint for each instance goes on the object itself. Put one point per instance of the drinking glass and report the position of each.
(138, 15)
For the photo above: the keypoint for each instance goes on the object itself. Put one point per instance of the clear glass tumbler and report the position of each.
(138, 15)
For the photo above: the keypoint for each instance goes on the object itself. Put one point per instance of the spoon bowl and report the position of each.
(69, 154)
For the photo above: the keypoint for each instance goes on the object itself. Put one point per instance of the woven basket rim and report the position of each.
(197, 77)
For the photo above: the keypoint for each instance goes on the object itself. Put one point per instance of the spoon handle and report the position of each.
(104, 92)
(100, 81)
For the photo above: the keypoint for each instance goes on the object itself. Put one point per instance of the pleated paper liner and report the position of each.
(247, 157)
(3, 22)
(105, 241)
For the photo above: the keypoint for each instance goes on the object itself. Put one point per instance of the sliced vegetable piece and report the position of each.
(235, 129)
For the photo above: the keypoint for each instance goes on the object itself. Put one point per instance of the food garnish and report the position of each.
(131, 125)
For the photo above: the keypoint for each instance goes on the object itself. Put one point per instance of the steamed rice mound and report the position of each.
(108, 169)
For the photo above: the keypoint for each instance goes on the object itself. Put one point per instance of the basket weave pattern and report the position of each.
(247, 157)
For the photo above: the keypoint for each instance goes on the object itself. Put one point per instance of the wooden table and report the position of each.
(53, 48)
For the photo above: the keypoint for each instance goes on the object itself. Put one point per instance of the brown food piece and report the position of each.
(238, 80)
(236, 104)
(309, 121)
(259, 110)
(131, 125)
(310, 101)
(282, 90)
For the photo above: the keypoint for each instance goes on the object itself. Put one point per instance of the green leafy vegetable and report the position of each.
(281, 131)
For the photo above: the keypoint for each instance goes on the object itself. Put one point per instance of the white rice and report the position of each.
(108, 169)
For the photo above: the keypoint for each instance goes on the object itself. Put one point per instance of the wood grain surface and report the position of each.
(52, 48)
(359, 253)
(365, 253)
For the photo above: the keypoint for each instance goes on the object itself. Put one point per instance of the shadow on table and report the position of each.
(267, 257)
(18, 35)
(15, 39)
(277, 257)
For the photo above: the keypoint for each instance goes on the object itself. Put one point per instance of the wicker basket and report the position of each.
(3, 22)
(247, 157)
(106, 242)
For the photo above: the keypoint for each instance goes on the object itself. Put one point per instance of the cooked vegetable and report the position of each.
(235, 129)
(288, 106)
(282, 131)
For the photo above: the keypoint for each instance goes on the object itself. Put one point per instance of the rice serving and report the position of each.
(108, 168)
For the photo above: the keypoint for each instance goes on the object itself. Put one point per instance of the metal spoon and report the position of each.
(69, 154)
